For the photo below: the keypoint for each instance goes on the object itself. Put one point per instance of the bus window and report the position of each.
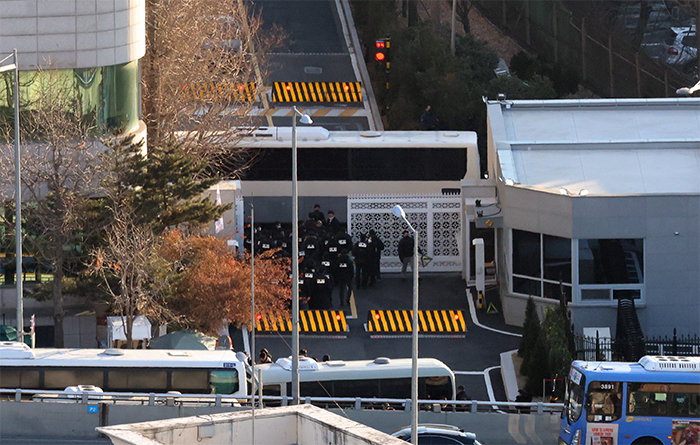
(395, 388)
(605, 401)
(356, 388)
(224, 381)
(663, 399)
(62, 378)
(439, 388)
(19, 378)
(315, 389)
(135, 380)
(189, 380)
(574, 398)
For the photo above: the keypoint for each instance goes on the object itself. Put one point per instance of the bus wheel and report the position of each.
(646, 441)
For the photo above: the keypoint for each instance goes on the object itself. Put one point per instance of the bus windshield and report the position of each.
(575, 393)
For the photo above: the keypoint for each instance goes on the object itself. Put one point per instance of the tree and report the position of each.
(559, 356)
(201, 58)
(212, 285)
(164, 189)
(134, 275)
(60, 171)
(531, 329)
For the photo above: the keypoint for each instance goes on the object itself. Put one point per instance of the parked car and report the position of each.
(434, 434)
(682, 50)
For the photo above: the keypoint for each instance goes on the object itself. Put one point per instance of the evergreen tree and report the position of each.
(164, 188)
(537, 365)
(531, 331)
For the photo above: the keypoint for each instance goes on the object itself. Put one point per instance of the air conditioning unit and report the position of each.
(670, 363)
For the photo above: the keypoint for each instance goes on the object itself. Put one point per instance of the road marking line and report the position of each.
(475, 320)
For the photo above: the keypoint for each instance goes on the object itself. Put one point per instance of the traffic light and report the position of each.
(382, 52)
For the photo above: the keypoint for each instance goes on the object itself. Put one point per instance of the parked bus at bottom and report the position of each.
(653, 402)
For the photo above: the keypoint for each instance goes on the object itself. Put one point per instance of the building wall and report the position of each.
(671, 232)
(73, 33)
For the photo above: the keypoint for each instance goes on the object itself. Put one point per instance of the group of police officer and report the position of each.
(328, 258)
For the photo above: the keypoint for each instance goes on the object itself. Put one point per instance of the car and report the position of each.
(436, 434)
(681, 49)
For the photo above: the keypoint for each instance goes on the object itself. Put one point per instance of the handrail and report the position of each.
(152, 399)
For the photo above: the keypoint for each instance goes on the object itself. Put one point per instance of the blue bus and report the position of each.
(654, 401)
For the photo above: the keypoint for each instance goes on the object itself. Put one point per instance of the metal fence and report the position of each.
(603, 349)
(219, 400)
(602, 56)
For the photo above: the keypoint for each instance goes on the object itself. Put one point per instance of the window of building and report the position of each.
(541, 265)
(110, 94)
(609, 269)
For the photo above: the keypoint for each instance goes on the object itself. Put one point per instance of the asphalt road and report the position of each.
(314, 49)
(476, 352)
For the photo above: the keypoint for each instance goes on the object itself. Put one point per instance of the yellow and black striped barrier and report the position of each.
(429, 321)
(346, 92)
(221, 91)
(310, 322)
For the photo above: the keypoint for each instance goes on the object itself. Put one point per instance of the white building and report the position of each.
(599, 199)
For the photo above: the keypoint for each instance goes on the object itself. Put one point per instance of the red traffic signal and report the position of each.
(381, 50)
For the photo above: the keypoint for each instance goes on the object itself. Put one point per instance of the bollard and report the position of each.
(358, 403)
(540, 408)
(84, 398)
(18, 395)
(407, 405)
(307, 400)
(474, 407)
(218, 400)
(151, 399)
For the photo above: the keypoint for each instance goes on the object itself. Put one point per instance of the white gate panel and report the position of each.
(437, 218)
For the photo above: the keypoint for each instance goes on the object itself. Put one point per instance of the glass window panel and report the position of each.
(395, 388)
(663, 399)
(224, 381)
(611, 261)
(317, 389)
(357, 388)
(9, 378)
(595, 294)
(605, 401)
(526, 253)
(552, 290)
(63, 378)
(189, 380)
(527, 286)
(137, 380)
(626, 293)
(438, 388)
(557, 258)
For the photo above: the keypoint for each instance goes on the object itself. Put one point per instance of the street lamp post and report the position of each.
(18, 197)
(304, 119)
(399, 213)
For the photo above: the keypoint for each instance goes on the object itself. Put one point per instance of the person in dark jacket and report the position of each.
(332, 223)
(376, 246)
(405, 251)
(317, 214)
(343, 272)
(362, 258)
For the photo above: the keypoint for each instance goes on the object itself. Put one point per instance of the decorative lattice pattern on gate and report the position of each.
(436, 217)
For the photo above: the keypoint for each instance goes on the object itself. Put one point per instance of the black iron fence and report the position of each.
(604, 349)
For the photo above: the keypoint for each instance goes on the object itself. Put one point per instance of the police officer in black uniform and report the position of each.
(361, 253)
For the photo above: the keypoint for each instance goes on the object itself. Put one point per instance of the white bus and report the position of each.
(123, 370)
(342, 163)
(381, 378)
